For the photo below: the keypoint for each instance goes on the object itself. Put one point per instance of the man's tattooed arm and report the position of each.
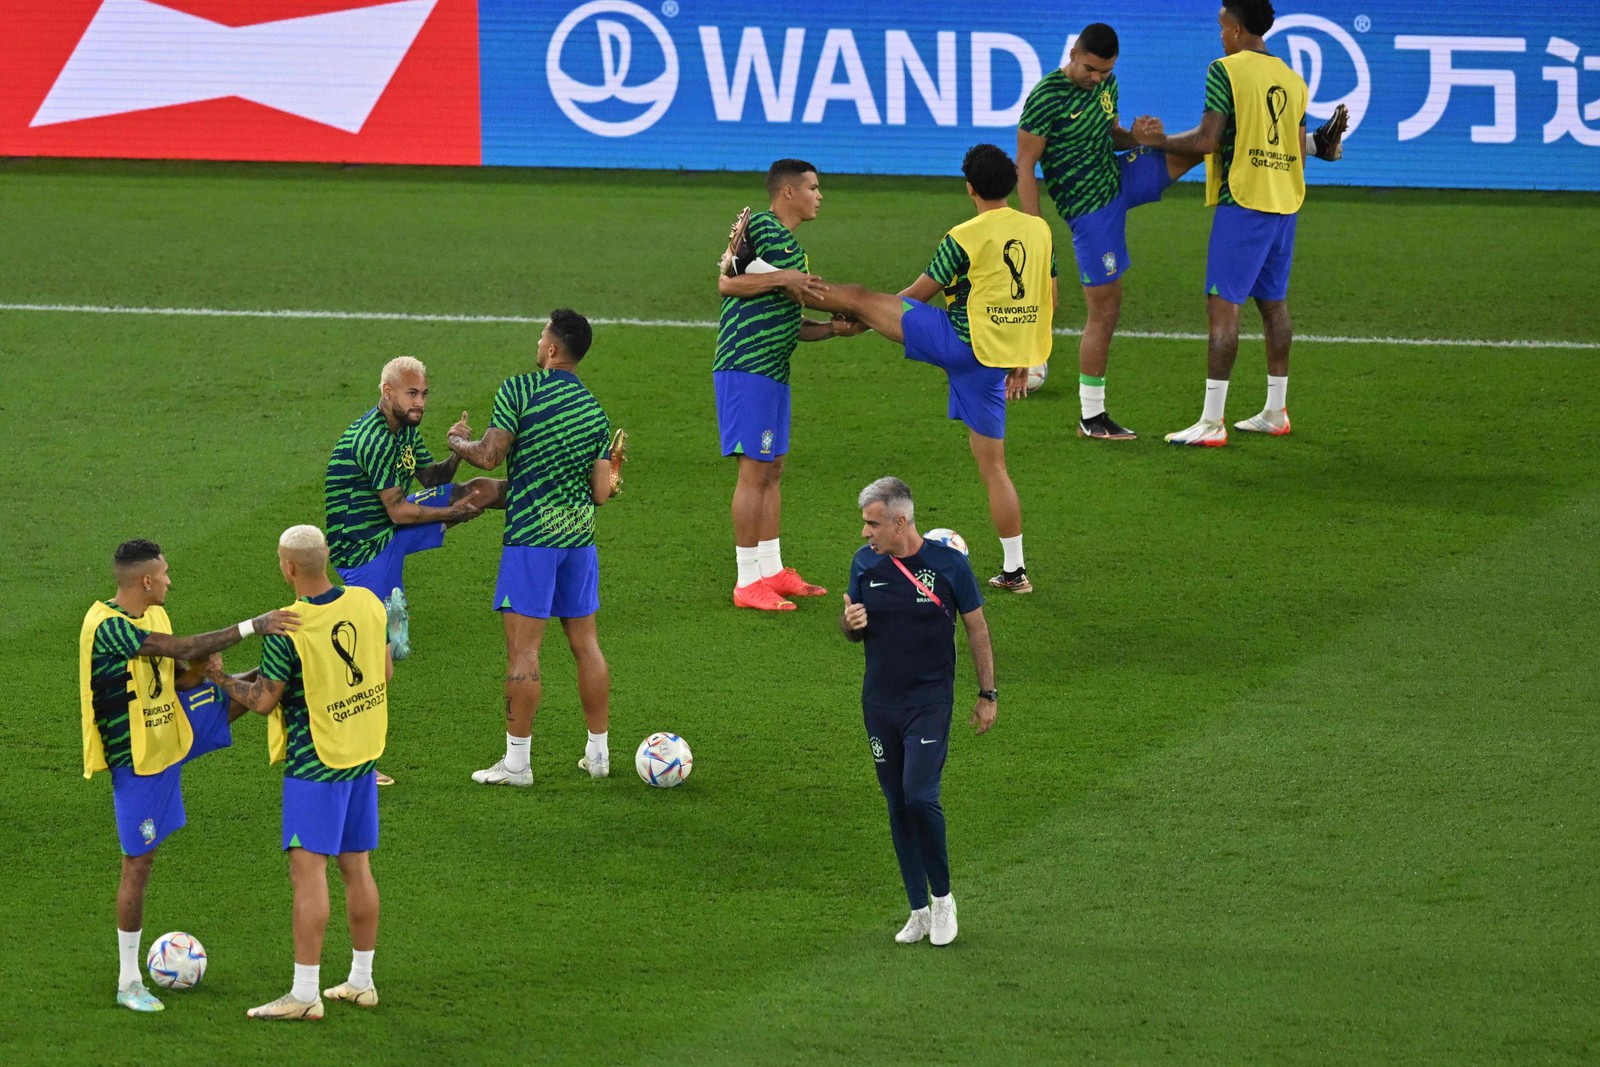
(258, 694)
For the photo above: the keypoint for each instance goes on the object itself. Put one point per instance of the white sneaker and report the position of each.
(1205, 433)
(499, 775)
(1275, 423)
(361, 998)
(597, 766)
(288, 1008)
(943, 926)
(916, 927)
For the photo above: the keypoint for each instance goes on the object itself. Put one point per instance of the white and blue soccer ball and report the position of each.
(949, 538)
(663, 760)
(1036, 376)
(176, 961)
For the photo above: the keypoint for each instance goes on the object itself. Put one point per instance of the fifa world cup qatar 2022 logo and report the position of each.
(627, 37)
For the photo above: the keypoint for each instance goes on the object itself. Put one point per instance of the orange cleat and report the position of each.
(788, 582)
(760, 596)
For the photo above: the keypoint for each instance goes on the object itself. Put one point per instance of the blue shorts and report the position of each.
(1100, 238)
(1250, 254)
(385, 573)
(149, 807)
(541, 583)
(752, 415)
(331, 817)
(977, 392)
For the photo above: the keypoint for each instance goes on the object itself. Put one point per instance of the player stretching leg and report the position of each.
(143, 720)
(1069, 124)
(764, 278)
(1002, 261)
(562, 463)
(1255, 109)
(372, 524)
(327, 688)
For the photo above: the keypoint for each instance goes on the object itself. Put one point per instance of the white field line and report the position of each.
(707, 324)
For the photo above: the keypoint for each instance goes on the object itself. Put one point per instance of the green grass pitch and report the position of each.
(1297, 748)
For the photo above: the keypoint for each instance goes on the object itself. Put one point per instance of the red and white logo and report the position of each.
(393, 81)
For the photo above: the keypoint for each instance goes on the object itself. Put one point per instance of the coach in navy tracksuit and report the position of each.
(905, 594)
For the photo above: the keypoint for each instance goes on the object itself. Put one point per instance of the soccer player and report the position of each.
(905, 594)
(143, 718)
(372, 524)
(561, 464)
(1255, 116)
(764, 280)
(1070, 125)
(997, 272)
(326, 688)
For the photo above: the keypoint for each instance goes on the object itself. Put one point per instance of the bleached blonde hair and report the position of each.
(397, 366)
(303, 539)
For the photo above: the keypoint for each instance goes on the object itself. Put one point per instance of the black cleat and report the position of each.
(1102, 427)
(1327, 140)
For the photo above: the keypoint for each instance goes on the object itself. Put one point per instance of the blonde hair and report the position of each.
(398, 366)
(303, 539)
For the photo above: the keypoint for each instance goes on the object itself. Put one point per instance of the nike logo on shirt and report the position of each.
(930, 740)
(874, 585)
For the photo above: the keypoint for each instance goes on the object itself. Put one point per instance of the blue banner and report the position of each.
(1466, 95)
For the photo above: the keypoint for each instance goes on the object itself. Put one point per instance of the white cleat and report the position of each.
(499, 775)
(943, 926)
(288, 1008)
(596, 766)
(1205, 434)
(916, 927)
(1273, 423)
(361, 998)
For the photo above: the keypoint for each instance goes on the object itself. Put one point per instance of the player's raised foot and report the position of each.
(916, 927)
(942, 926)
(1327, 140)
(361, 998)
(288, 1009)
(383, 779)
(1103, 427)
(1274, 423)
(788, 582)
(1203, 434)
(499, 774)
(1013, 581)
(759, 595)
(135, 996)
(399, 624)
(595, 766)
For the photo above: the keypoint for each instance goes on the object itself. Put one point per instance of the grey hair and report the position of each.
(400, 365)
(892, 493)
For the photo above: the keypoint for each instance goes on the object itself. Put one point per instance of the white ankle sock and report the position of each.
(1092, 400)
(128, 956)
(748, 562)
(769, 558)
(306, 976)
(599, 745)
(1012, 547)
(1216, 400)
(361, 968)
(517, 753)
(1277, 392)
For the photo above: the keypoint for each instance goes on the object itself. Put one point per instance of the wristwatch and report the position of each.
(991, 695)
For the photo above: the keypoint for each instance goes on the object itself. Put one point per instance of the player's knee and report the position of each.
(922, 804)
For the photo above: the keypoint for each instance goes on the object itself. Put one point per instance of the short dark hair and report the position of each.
(132, 553)
(1098, 39)
(785, 171)
(990, 171)
(572, 331)
(1256, 16)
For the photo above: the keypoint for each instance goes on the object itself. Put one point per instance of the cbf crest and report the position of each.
(877, 749)
(407, 460)
(766, 442)
(147, 830)
(1109, 262)
(1105, 101)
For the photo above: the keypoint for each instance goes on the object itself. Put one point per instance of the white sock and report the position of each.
(128, 956)
(769, 558)
(1216, 400)
(599, 745)
(1012, 547)
(749, 566)
(517, 753)
(361, 968)
(1092, 398)
(1277, 392)
(306, 977)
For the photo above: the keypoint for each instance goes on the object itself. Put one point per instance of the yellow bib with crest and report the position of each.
(343, 661)
(1269, 107)
(158, 730)
(1011, 303)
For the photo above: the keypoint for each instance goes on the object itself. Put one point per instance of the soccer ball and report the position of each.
(948, 537)
(663, 760)
(176, 961)
(1036, 376)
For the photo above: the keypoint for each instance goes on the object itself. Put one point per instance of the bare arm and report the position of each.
(440, 473)
(796, 283)
(923, 289)
(820, 329)
(984, 712)
(166, 646)
(260, 694)
(1121, 139)
(486, 453)
(1030, 149)
(1200, 141)
(403, 512)
(600, 482)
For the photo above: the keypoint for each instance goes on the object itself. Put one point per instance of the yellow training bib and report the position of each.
(1010, 305)
(342, 664)
(1269, 107)
(159, 733)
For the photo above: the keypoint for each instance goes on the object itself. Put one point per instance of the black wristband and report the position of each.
(991, 695)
